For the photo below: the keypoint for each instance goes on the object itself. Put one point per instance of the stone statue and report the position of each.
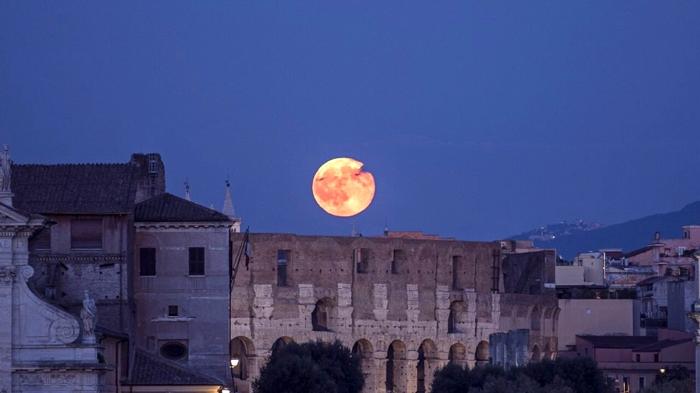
(89, 316)
(5, 169)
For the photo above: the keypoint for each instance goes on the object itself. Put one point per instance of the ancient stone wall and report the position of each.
(405, 306)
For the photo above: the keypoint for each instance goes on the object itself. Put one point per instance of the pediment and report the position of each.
(10, 216)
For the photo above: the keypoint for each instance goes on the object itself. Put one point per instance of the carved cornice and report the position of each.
(100, 259)
(169, 226)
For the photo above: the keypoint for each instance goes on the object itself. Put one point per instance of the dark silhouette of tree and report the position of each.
(313, 367)
(580, 375)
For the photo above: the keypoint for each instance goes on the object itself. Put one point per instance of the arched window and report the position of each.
(457, 317)
(395, 363)
(281, 343)
(482, 353)
(458, 354)
(535, 319)
(243, 351)
(320, 317)
(535, 354)
(427, 357)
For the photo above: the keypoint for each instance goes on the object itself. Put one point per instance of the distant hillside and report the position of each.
(553, 231)
(628, 235)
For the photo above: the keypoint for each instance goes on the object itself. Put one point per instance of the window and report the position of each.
(456, 268)
(320, 315)
(282, 262)
(361, 256)
(173, 350)
(41, 241)
(398, 261)
(147, 261)
(625, 385)
(196, 261)
(637, 358)
(173, 311)
(86, 234)
(656, 357)
(641, 383)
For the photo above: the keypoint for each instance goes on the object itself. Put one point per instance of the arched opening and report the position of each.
(555, 322)
(457, 319)
(535, 320)
(548, 353)
(242, 349)
(427, 363)
(395, 368)
(320, 317)
(364, 351)
(482, 353)
(281, 343)
(458, 355)
(535, 354)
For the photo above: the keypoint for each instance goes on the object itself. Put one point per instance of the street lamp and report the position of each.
(234, 362)
(225, 390)
(662, 371)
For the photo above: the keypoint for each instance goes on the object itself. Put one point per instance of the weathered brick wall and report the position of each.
(407, 304)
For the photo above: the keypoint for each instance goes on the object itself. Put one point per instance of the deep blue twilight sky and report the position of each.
(477, 119)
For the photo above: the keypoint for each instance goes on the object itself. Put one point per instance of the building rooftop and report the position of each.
(620, 342)
(74, 188)
(170, 208)
(149, 369)
(659, 345)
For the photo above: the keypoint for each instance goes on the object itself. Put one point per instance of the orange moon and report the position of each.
(341, 188)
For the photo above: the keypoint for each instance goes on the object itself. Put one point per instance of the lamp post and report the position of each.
(694, 314)
(234, 364)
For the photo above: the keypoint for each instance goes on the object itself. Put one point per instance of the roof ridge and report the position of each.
(75, 164)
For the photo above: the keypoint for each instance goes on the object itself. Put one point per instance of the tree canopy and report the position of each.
(313, 367)
(580, 375)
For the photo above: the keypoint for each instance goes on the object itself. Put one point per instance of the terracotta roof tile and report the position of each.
(170, 208)
(74, 188)
(149, 369)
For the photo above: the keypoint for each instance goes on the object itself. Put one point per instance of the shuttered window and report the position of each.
(196, 261)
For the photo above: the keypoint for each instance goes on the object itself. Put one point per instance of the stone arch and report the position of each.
(242, 348)
(536, 319)
(457, 318)
(548, 353)
(321, 315)
(364, 351)
(427, 364)
(555, 321)
(482, 353)
(535, 357)
(458, 354)
(280, 343)
(396, 367)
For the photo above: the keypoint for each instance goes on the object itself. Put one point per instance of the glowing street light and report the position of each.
(234, 363)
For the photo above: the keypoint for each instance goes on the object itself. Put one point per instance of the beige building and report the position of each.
(405, 306)
(593, 317)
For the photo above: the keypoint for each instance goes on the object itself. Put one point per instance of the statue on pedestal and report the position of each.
(5, 170)
(89, 316)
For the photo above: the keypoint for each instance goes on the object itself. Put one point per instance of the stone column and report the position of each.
(410, 372)
(7, 279)
(379, 373)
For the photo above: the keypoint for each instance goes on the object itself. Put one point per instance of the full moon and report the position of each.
(341, 188)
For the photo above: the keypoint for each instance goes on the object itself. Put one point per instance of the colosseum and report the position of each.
(405, 306)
